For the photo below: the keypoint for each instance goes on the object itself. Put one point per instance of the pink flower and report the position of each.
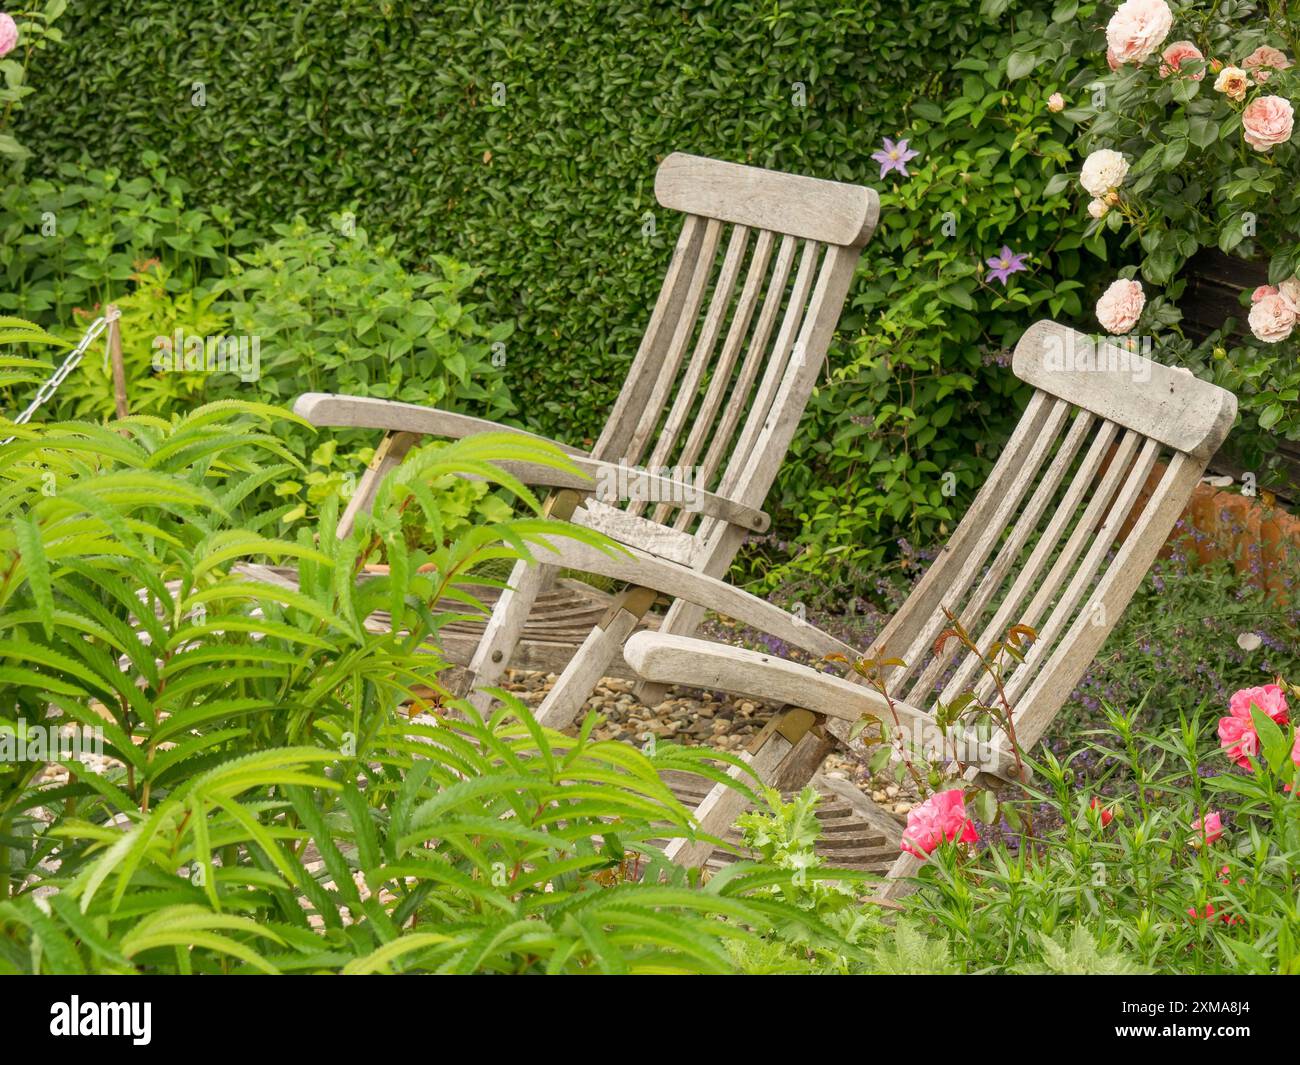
(1271, 318)
(1208, 831)
(1264, 60)
(8, 34)
(1295, 755)
(1137, 29)
(1171, 60)
(941, 818)
(1267, 121)
(1237, 735)
(1056, 102)
(1105, 815)
(1195, 915)
(1112, 60)
(1120, 306)
(1262, 291)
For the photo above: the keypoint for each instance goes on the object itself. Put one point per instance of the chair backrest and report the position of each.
(1073, 514)
(747, 309)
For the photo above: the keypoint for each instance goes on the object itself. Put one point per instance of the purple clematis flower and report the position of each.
(894, 157)
(1005, 263)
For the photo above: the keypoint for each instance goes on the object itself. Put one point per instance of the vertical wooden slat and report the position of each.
(1103, 541)
(1084, 639)
(647, 417)
(923, 602)
(645, 369)
(1004, 616)
(752, 363)
(720, 380)
(688, 390)
(1004, 510)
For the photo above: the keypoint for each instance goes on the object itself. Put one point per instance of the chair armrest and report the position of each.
(325, 409)
(365, 412)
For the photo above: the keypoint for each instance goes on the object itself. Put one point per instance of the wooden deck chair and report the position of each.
(1076, 508)
(746, 312)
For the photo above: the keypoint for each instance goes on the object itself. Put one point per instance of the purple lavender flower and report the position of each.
(894, 157)
(1005, 263)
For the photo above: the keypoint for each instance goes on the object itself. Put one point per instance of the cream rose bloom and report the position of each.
(1232, 82)
(1098, 208)
(1138, 28)
(1272, 319)
(1103, 170)
(1120, 306)
(1056, 102)
(1289, 290)
(1267, 122)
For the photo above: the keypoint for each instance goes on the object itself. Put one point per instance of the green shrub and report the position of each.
(547, 188)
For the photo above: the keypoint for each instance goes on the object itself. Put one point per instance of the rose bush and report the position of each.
(1178, 161)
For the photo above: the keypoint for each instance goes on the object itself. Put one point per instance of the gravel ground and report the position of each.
(697, 718)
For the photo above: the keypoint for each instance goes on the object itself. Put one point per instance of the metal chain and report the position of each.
(68, 365)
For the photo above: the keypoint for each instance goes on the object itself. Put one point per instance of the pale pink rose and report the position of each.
(8, 34)
(1112, 60)
(1289, 290)
(1267, 121)
(1264, 60)
(1120, 306)
(1271, 319)
(1056, 102)
(1262, 291)
(1237, 735)
(1138, 28)
(1208, 831)
(941, 818)
(1232, 82)
(1171, 60)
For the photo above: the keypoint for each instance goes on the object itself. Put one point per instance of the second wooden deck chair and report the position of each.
(748, 307)
(1078, 505)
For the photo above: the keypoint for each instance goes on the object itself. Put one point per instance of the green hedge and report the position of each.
(389, 107)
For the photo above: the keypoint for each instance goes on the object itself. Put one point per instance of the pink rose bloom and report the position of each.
(1112, 60)
(1264, 60)
(1262, 291)
(1209, 831)
(8, 34)
(1120, 306)
(1056, 102)
(1267, 121)
(1295, 753)
(1237, 735)
(1171, 60)
(941, 818)
(1137, 29)
(1272, 319)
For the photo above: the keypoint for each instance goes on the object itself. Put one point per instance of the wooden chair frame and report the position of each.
(747, 309)
(1060, 536)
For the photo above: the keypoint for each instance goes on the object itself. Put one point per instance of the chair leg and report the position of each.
(506, 626)
(503, 632)
(781, 753)
(586, 668)
(392, 449)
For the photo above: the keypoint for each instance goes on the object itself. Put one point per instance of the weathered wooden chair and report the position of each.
(1059, 538)
(763, 266)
